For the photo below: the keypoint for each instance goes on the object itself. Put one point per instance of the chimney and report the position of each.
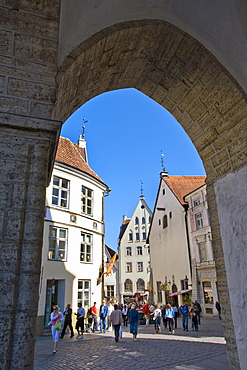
(83, 145)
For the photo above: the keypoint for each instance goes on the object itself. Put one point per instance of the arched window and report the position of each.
(128, 286)
(137, 221)
(140, 285)
(143, 220)
(165, 224)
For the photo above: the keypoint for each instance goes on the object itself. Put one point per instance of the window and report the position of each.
(143, 220)
(139, 266)
(196, 202)
(86, 201)
(150, 219)
(144, 236)
(139, 251)
(128, 287)
(159, 291)
(60, 192)
(165, 223)
(83, 296)
(136, 220)
(86, 254)
(57, 243)
(199, 222)
(110, 291)
(129, 267)
(170, 214)
(137, 236)
(128, 251)
(208, 292)
(130, 237)
(202, 252)
(140, 285)
(159, 222)
(164, 191)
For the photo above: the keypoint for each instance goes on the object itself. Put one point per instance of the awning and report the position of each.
(180, 292)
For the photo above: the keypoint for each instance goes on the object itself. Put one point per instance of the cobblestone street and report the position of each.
(204, 349)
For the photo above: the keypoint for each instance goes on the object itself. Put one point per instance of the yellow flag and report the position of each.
(110, 264)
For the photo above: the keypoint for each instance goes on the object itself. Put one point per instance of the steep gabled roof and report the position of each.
(123, 227)
(183, 185)
(70, 154)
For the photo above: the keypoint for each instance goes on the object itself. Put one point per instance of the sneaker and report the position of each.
(173, 332)
(81, 337)
(135, 339)
(54, 351)
(170, 332)
(78, 336)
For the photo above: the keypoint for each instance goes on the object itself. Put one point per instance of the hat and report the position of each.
(133, 306)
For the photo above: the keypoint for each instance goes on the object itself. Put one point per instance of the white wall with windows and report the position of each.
(72, 244)
(133, 251)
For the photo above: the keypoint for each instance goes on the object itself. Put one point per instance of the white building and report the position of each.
(204, 280)
(133, 253)
(171, 269)
(73, 240)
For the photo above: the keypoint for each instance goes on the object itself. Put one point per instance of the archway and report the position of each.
(176, 71)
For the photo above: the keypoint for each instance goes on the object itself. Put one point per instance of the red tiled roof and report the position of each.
(70, 154)
(183, 185)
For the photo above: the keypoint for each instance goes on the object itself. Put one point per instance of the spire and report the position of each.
(142, 196)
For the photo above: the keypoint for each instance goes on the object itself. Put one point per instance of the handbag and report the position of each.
(58, 325)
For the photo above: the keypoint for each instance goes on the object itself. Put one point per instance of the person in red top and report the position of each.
(146, 311)
(93, 310)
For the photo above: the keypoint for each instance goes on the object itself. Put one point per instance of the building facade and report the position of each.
(110, 276)
(170, 255)
(134, 257)
(204, 280)
(73, 240)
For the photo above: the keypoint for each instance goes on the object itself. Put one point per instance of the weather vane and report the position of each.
(141, 188)
(162, 159)
(83, 127)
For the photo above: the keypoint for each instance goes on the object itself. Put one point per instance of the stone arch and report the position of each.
(180, 74)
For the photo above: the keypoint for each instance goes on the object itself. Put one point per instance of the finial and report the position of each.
(83, 127)
(162, 159)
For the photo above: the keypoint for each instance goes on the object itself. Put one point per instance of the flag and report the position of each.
(111, 263)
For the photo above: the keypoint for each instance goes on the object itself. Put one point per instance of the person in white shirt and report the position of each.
(110, 310)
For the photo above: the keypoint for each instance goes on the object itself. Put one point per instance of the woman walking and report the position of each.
(56, 319)
(170, 317)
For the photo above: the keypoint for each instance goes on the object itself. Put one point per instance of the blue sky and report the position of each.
(125, 133)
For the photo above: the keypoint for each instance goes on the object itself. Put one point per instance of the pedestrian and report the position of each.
(184, 312)
(103, 314)
(175, 310)
(116, 321)
(157, 318)
(93, 310)
(163, 313)
(146, 311)
(125, 315)
(198, 310)
(110, 310)
(170, 317)
(218, 308)
(67, 321)
(194, 320)
(134, 320)
(80, 321)
(56, 326)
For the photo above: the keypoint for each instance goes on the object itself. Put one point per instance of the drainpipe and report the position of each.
(188, 239)
(105, 194)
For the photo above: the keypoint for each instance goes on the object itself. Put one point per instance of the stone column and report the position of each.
(27, 151)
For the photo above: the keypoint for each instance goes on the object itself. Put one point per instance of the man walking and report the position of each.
(67, 321)
(184, 312)
(116, 321)
(93, 310)
(134, 319)
(80, 321)
(103, 314)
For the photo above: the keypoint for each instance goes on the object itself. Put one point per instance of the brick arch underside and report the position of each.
(176, 71)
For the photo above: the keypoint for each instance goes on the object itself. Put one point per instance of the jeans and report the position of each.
(170, 323)
(185, 322)
(95, 323)
(116, 331)
(103, 324)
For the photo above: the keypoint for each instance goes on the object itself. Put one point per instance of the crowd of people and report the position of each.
(111, 317)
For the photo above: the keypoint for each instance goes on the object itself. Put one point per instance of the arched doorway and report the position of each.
(180, 74)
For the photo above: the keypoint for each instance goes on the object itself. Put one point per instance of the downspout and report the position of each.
(188, 239)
